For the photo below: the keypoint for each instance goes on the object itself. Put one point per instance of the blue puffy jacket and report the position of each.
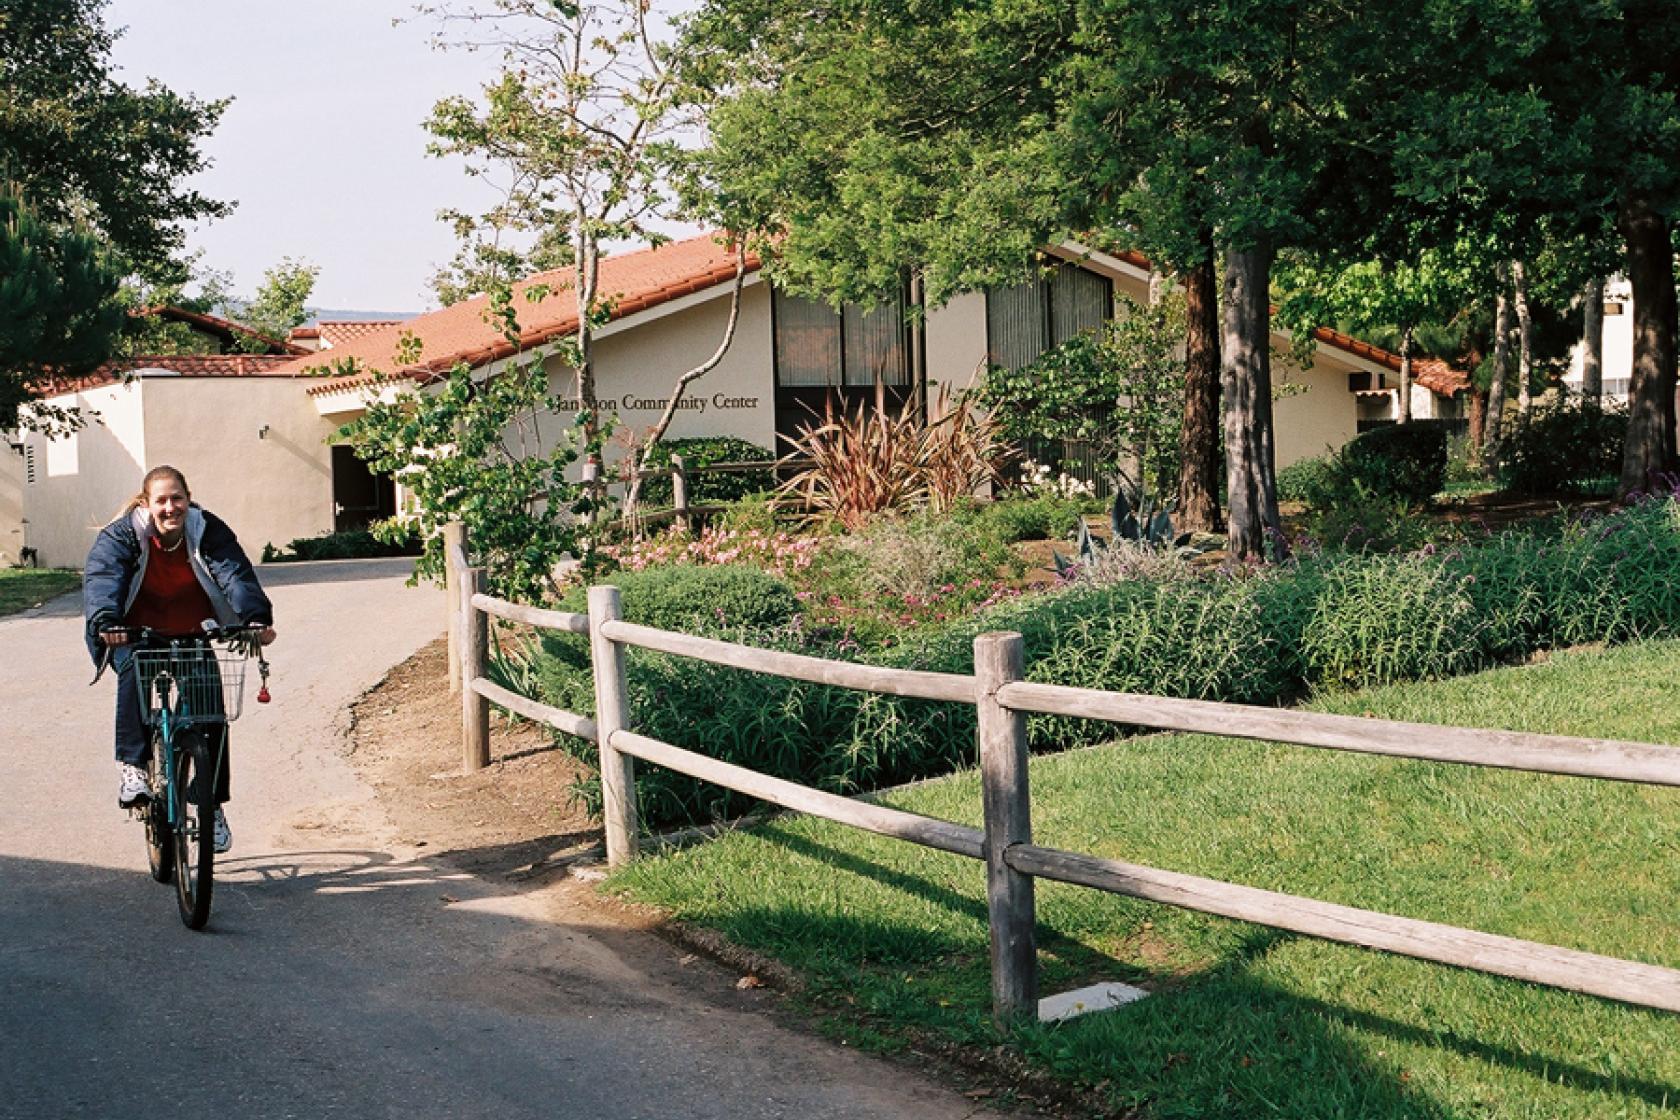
(116, 564)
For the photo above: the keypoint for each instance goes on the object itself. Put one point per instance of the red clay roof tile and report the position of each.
(631, 282)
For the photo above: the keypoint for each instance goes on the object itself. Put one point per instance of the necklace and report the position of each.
(171, 547)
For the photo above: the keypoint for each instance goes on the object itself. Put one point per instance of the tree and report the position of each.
(1118, 389)
(587, 121)
(84, 147)
(280, 303)
(1385, 300)
(94, 172)
(485, 262)
(488, 453)
(59, 316)
(578, 119)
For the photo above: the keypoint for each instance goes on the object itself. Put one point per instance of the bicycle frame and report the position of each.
(159, 663)
(174, 714)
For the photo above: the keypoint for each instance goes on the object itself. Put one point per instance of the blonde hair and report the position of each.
(152, 476)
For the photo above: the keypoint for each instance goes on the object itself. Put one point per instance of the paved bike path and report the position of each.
(343, 975)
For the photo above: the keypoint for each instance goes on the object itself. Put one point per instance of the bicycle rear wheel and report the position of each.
(194, 798)
(160, 851)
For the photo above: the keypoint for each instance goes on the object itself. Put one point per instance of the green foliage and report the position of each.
(347, 544)
(58, 311)
(1120, 389)
(1363, 498)
(701, 452)
(280, 302)
(1307, 480)
(1407, 461)
(1352, 516)
(1388, 619)
(1043, 516)
(1319, 625)
(705, 599)
(86, 148)
(479, 452)
(911, 558)
(749, 513)
(1568, 444)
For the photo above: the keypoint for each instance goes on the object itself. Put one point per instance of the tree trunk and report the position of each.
(1492, 429)
(587, 277)
(1245, 343)
(1198, 448)
(1525, 343)
(1649, 450)
(1403, 414)
(1478, 417)
(1592, 341)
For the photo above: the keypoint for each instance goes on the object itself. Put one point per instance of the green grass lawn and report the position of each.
(22, 588)
(1247, 1021)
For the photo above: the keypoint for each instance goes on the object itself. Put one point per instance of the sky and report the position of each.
(322, 148)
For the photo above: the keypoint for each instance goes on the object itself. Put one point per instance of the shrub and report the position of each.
(755, 511)
(912, 558)
(705, 487)
(1307, 480)
(1407, 461)
(347, 544)
(1324, 623)
(1388, 619)
(1042, 516)
(1572, 444)
(726, 599)
(1357, 518)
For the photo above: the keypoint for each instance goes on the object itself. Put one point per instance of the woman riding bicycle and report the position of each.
(167, 565)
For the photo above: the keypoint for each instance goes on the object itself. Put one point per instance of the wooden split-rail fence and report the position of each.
(1003, 698)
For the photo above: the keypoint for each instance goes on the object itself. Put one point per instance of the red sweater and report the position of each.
(170, 600)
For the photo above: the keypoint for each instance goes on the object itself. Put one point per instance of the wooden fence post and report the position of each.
(999, 660)
(475, 650)
(612, 703)
(454, 537)
(679, 493)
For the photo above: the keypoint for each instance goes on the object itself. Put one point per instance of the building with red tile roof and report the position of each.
(257, 433)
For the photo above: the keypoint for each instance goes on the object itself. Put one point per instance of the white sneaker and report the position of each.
(223, 834)
(133, 786)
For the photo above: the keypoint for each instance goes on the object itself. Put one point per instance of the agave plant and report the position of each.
(1141, 522)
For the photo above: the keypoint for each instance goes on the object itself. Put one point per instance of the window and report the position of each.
(29, 462)
(1024, 320)
(818, 346)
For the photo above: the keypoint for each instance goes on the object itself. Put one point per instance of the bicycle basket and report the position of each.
(198, 683)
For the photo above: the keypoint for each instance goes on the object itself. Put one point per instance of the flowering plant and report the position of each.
(776, 551)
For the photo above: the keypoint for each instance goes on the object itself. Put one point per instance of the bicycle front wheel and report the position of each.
(160, 853)
(194, 799)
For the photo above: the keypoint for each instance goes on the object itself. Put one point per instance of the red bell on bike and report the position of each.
(262, 695)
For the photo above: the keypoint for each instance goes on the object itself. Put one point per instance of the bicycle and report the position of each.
(190, 690)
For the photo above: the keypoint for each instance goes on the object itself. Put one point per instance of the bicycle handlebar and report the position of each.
(146, 635)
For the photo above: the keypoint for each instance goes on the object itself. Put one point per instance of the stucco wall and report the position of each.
(81, 479)
(956, 342)
(636, 367)
(11, 500)
(1324, 414)
(270, 489)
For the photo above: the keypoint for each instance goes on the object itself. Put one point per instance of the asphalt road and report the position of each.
(342, 975)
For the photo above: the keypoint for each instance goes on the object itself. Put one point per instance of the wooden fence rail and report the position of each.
(1005, 845)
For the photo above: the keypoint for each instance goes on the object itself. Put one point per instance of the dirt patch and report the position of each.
(515, 813)
(515, 820)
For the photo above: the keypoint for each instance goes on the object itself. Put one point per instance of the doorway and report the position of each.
(361, 495)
